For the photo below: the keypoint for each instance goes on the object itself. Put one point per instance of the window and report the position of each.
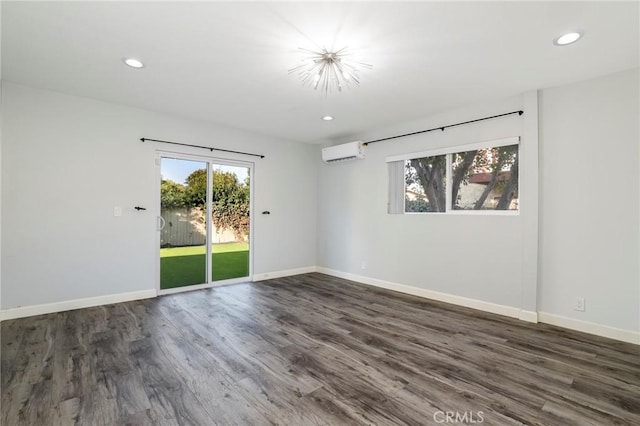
(425, 184)
(485, 179)
(475, 177)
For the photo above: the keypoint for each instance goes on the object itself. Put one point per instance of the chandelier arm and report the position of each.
(364, 64)
(337, 77)
(313, 52)
(338, 52)
(309, 74)
(340, 74)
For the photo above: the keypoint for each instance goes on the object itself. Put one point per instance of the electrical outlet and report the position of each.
(117, 211)
(363, 264)
(579, 304)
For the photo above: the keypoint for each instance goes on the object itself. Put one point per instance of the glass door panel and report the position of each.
(230, 201)
(183, 234)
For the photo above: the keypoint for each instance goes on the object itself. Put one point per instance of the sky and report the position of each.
(178, 170)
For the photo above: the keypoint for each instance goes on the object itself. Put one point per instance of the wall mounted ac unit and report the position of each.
(346, 151)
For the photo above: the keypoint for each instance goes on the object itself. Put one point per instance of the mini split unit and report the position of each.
(344, 152)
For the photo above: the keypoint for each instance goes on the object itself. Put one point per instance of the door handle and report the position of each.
(161, 223)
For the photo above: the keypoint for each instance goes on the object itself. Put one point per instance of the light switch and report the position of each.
(117, 211)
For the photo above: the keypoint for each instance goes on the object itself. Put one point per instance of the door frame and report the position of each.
(210, 161)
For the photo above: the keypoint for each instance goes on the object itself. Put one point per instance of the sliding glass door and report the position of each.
(230, 208)
(183, 234)
(204, 222)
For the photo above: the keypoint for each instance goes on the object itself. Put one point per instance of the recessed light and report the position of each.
(327, 118)
(133, 63)
(567, 38)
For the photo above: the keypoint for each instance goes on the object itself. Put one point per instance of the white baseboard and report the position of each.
(67, 305)
(623, 335)
(528, 316)
(28, 311)
(509, 311)
(285, 273)
(480, 305)
(628, 336)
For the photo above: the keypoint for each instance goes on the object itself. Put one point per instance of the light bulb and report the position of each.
(133, 63)
(568, 38)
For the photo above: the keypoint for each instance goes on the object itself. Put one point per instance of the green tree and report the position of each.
(495, 161)
(229, 198)
(416, 205)
(429, 174)
(196, 191)
(230, 202)
(461, 162)
(172, 194)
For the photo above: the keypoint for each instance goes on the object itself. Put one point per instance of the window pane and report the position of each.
(230, 216)
(425, 184)
(183, 237)
(485, 179)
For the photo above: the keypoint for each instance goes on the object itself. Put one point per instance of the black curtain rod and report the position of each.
(203, 147)
(445, 127)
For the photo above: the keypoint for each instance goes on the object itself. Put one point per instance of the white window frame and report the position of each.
(448, 152)
(210, 161)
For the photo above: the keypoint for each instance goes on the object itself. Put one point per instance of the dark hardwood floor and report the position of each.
(308, 350)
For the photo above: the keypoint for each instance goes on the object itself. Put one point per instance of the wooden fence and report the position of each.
(186, 227)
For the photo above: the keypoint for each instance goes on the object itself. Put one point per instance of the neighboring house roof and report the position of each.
(415, 194)
(485, 178)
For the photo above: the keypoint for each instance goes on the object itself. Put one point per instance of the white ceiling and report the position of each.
(227, 63)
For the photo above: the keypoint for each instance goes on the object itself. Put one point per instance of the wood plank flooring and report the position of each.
(308, 350)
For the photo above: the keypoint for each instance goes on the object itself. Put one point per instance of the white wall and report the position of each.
(0, 160)
(67, 161)
(589, 205)
(577, 233)
(478, 257)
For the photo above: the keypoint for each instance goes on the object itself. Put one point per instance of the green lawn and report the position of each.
(182, 266)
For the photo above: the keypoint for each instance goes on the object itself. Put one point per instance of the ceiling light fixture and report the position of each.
(329, 70)
(327, 118)
(567, 38)
(133, 63)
